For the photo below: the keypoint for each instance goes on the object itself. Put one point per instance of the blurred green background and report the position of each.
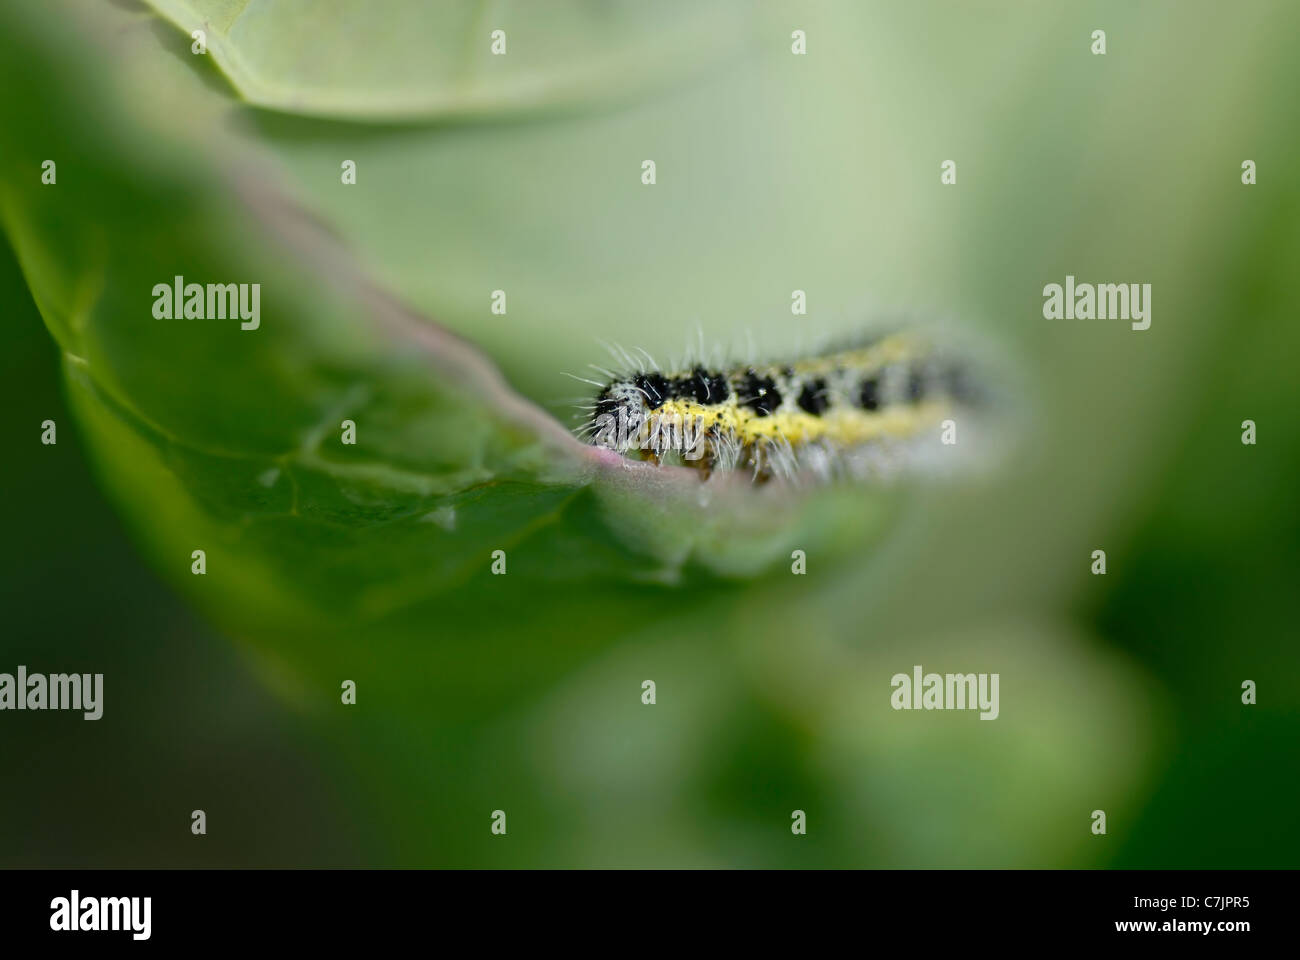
(522, 692)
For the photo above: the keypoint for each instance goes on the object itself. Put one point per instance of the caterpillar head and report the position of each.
(623, 408)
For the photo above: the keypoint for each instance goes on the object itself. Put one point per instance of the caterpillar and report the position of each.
(866, 409)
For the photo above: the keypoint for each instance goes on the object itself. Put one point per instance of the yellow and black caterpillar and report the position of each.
(864, 410)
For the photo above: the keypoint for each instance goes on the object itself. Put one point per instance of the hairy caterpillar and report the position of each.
(867, 409)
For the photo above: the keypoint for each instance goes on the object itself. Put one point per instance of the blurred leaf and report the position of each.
(242, 428)
(412, 60)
